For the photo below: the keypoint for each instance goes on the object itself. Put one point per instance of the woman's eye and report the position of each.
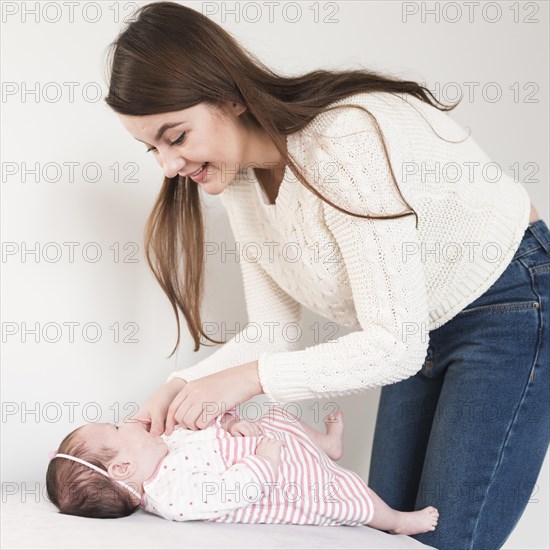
(177, 142)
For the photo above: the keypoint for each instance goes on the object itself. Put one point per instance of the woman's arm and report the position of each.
(270, 309)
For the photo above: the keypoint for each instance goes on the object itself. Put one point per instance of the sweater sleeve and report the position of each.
(271, 313)
(384, 270)
(202, 495)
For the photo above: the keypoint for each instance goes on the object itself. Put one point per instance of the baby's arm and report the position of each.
(201, 495)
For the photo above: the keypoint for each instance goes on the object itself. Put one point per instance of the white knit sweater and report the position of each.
(389, 280)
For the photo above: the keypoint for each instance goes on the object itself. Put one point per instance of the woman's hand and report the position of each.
(154, 410)
(202, 400)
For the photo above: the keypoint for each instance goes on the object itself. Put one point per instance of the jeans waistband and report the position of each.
(540, 231)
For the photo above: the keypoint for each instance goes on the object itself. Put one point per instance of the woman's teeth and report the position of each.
(199, 170)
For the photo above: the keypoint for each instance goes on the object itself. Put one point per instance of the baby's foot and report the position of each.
(334, 440)
(413, 523)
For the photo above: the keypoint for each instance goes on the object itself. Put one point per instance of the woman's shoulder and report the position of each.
(343, 117)
(344, 157)
(401, 117)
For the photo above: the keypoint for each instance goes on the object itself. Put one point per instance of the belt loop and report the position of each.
(541, 235)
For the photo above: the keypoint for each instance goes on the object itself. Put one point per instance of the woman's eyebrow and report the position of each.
(163, 128)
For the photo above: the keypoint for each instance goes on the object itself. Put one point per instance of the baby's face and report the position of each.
(132, 441)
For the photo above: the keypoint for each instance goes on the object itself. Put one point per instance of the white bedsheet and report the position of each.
(38, 525)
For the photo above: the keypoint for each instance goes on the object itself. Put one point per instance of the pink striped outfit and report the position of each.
(213, 476)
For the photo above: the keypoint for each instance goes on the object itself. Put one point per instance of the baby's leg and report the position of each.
(384, 518)
(402, 523)
(332, 443)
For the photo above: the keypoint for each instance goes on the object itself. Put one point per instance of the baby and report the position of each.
(275, 470)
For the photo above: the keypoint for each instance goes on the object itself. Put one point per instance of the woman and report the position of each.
(445, 276)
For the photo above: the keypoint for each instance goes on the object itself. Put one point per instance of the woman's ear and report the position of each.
(233, 107)
(121, 469)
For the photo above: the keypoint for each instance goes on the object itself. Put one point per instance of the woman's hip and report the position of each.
(509, 318)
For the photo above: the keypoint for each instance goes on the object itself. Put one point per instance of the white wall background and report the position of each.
(44, 129)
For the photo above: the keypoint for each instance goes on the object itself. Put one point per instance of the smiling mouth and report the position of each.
(197, 172)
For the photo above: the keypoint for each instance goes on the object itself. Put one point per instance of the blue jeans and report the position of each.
(469, 432)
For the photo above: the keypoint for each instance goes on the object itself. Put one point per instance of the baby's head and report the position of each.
(127, 452)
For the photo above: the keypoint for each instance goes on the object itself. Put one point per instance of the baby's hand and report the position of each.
(244, 428)
(271, 449)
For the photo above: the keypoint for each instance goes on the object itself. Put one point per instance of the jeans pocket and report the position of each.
(495, 308)
(542, 268)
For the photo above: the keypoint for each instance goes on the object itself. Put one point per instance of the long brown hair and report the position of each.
(171, 57)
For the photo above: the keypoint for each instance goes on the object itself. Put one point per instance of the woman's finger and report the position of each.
(143, 419)
(157, 425)
(185, 415)
(173, 419)
(138, 418)
(198, 419)
(173, 410)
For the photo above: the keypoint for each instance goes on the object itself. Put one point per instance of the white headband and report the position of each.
(101, 471)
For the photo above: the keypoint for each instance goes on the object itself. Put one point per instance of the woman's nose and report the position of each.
(172, 172)
(171, 166)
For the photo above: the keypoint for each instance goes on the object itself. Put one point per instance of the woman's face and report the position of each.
(181, 141)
